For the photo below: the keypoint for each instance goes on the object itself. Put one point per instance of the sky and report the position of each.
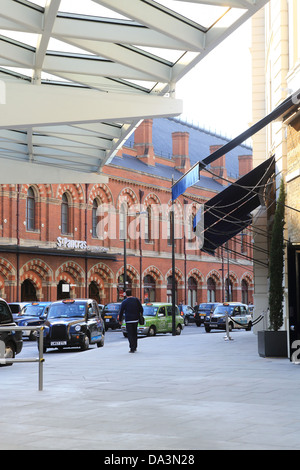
(216, 93)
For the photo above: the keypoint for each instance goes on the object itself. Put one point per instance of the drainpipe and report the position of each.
(18, 244)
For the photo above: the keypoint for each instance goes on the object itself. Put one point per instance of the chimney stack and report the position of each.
(218, 167)
(143, 142)
(181, 157)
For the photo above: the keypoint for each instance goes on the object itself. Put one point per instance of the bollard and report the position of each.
(227, 337)
(40, 359)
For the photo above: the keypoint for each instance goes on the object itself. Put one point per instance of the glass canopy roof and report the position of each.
(77, 77)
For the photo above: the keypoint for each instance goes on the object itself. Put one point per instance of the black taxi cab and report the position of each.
(235, 313)
(73, 323)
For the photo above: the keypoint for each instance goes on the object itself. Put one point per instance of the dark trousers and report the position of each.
(132, 335)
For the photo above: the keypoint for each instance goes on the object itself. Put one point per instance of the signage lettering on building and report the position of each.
(64, 242)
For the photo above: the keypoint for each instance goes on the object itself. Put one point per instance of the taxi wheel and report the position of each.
(9, 354)
(100, 343)
(249, 326)
(152, 331)
(178, 330)
(86, 344)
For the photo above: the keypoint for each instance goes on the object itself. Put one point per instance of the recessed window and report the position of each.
(94, 218)
(65, 214)
(30, 210)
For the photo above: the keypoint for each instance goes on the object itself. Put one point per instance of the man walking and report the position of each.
(131, 307)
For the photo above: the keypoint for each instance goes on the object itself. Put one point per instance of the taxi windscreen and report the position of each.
(33, 310)
(149, 311)
(223, 309)
(67, 310)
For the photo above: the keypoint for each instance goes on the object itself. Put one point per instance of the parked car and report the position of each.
(73, 323)
(187, 312)
(158, 319)
(100, 307)
(32, 314)
(238, 317)
(11, 342)
(16, 308)
(204, 309)
(110, 315)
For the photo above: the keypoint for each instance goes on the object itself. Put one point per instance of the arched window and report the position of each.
(228, 291)
(149, 288)
(123, 221)
(28, 291)
(211, 290)
(30, 210)
(94, 218)
(244, 292)
(65, 222)
(169, 290)
(148, 222)
(192, 291)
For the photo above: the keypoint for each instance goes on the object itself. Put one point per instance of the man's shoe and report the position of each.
(132, 350)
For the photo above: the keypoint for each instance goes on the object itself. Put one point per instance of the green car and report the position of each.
(158, 319)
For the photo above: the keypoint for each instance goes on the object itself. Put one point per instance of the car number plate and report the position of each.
(106, 319)
(58, 343)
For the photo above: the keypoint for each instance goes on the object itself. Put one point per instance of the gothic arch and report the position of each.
(41, 190)
(248, 277)
(215, 276)
(151, 197)
(70, 271)
(75, 190)
(154, 272)
(7, 270)
(197, 275)
(178, 275)
(233, 278)
(101, 191)
(131, 270)
(100, 270)
(127, 195)
(39, 267)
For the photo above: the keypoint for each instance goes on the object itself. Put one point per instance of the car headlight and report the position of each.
(77, 328)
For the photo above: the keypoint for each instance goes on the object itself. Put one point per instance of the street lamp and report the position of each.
(172, 223)
(123, 236)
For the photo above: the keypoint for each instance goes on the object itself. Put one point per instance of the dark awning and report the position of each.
(229, 212)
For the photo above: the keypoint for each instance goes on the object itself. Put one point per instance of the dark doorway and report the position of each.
(94, 292)
(28, 292)
(63, 290)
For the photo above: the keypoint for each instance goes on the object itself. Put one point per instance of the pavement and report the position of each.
(187, 392)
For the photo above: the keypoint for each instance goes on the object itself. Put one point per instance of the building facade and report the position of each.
(73, 240)
(276, 75)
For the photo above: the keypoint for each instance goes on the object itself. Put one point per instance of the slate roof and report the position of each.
(199, 143)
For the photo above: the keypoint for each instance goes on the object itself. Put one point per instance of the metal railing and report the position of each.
(40, 360)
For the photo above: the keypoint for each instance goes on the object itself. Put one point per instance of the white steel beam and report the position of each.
(158, 20)
(49, 104)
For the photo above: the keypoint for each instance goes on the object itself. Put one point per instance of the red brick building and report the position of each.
(61, 240)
